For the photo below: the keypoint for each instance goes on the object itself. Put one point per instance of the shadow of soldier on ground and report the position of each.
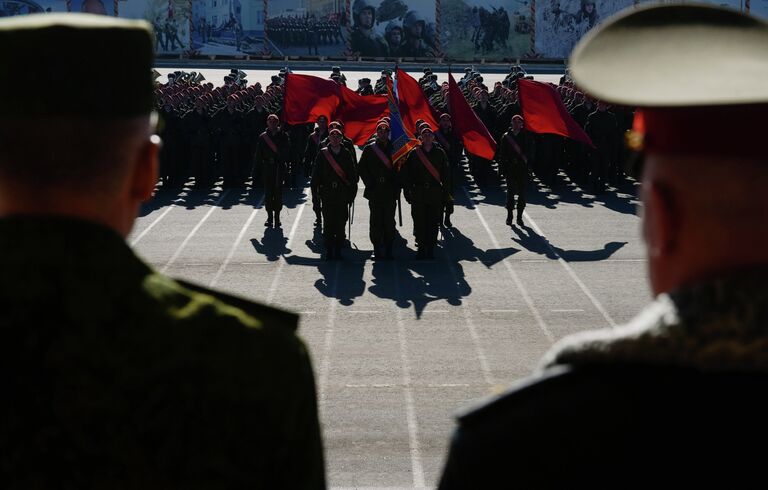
(272, 244)
(533, 242)
(341, 279)
(163, 196)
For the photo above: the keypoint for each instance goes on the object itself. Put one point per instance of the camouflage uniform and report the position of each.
(115, 376)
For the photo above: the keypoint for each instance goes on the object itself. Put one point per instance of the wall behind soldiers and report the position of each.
(457, 30)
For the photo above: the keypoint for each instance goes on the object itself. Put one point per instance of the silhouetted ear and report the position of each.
(146, 169)
(661, 220)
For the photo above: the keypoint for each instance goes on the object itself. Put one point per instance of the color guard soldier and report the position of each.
(451, 143)
(314, 145)
(513, 163)
(423, 176)
(335, 177)
(271, 153)
(382, 191)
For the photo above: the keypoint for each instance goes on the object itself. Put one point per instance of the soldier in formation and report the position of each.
(382, 190)
(272, 152)
(335, 177)
(424, 175)
(512, 155)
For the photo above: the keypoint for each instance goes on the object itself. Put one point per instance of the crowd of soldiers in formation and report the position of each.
(234, 133)
(295, 31)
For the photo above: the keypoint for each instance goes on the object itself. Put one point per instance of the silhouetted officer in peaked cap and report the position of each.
(675, 398)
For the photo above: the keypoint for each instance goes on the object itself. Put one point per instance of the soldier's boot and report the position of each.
(277, 219)
(510, 217)
(377, 252)
(520, 217)
(447, 221)
(269, 222)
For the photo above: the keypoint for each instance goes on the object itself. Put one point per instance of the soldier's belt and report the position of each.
(334, 185)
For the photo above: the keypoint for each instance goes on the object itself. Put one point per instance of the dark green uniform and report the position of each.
(513, 163)
(426, 195)
(336, 195)
(451, 143)
(272, 164)
(381, 190)
(114, 376)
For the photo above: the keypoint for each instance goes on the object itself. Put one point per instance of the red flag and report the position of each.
(477, 140)
(307, 97)
(412, 103)
(544, 112)
(360, 113)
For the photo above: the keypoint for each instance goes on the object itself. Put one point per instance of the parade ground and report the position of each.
(400, 347)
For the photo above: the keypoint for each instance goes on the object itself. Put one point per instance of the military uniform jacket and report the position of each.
(272, 163)
(676, 398)
(510, 159)
(419, 183)
(451, 143)
(313, 146)
(115, 376)
(333, 190)
(381, 183)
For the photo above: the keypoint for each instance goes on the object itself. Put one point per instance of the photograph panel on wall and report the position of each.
(559, 24)
(100, 7)
(227, 27)
(306, 27)
(759, 8)
(393, 29)
(170, 20)
(10, 8)
(490, 29)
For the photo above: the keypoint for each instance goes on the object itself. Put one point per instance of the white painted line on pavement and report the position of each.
(572, 273)
(410, 411)
(568, 311)
(325, 366)
(291, 234)
(485, 367)
(157, 220)
(192, 233)
(236, 244)
(515, 278)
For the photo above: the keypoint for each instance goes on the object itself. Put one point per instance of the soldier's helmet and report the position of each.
(361, 5)
(412, 18)
(392, 26)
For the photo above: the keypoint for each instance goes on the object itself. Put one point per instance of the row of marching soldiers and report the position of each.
(424, 178)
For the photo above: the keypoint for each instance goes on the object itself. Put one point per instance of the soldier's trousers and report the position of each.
(426, 220)
(273, 198)
(335, 216)
(382, 221)
(316, 200)
(515, 187)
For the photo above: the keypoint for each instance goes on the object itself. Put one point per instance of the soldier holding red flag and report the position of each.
(335, 178)
(424, 175)
(381, 189)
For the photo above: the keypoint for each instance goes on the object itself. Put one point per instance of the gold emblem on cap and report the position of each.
(634, 140)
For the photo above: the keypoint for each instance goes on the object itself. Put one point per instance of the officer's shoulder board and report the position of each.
(267, 315)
